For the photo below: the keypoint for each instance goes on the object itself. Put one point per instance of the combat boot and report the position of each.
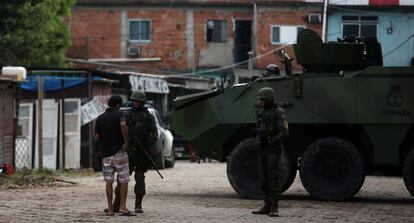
(117, 200)
(274, 208)
(116, 203)
(138, 203)
(265, 209)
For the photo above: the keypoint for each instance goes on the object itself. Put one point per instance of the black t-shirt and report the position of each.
(108, 127)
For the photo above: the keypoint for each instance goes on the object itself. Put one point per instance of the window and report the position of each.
(24, 121)
(72, 113)
(275, 34)
(284, 34)
(359, 26)
(216, 31)
(140, 30)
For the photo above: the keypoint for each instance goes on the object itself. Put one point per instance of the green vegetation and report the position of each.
(33, 32)
(77, 173)
(44, 177)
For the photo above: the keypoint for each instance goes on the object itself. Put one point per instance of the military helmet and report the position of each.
(266, 93)
(138, 96)
(272, 69)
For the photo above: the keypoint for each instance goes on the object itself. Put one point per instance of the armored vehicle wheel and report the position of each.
(242, 170)
(332, 169)
(408, 172)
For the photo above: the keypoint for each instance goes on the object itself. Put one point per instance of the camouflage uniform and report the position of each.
(271, 131)
(142, 128)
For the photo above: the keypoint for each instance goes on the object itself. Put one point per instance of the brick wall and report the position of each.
(286, 16)
(95, 33)
(169, 33)
(202, 47)
(180, 2)
(168, 36)
(7, 121)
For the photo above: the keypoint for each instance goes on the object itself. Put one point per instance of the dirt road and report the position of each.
(194, 192)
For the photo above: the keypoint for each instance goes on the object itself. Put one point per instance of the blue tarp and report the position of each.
(53, 83)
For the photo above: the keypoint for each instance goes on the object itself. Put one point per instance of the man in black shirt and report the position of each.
(112, 133)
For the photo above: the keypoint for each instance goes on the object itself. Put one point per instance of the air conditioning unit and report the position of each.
(133, 51)
(314, 18)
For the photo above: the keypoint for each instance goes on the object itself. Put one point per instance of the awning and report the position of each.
(53, 83)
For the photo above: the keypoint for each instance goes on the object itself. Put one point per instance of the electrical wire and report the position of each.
(85, 32)
(398, 46)
(239, 63)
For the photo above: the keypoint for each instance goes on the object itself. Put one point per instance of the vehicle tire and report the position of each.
(242, 170)
(169, 163)
(408, 172)
(160, 161)
(332, 169)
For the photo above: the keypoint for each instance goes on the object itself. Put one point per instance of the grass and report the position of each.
(26, 178)
(77, 173)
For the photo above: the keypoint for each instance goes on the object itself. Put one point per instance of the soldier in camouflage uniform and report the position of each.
(272, 129)
(142, 132)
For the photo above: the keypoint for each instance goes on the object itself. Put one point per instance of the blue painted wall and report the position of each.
(397, 48)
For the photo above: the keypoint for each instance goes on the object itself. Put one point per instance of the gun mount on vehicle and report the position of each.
(348, 116)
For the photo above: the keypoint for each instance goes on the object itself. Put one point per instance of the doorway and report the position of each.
(242, 41)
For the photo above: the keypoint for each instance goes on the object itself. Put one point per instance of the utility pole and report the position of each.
(86, 48)
(40, 120)
(324, 22)
(254, 35)
(91, 140)
(62, 84)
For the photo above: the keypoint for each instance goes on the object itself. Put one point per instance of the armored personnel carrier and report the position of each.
(348, 117)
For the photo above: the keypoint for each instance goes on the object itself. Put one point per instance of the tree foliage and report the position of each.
(33, 33)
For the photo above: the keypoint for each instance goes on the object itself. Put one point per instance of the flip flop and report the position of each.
(115, 211)
(128, 213)
(107, 213)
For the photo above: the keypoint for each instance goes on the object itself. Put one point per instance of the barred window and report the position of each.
(217, 31)
(140, 30)
(359, 26)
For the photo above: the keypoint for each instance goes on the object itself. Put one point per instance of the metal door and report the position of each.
(24, 139)
(50, 128)
(72, 133)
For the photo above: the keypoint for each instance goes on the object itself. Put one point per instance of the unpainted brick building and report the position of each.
(188, 35)
(9, 100)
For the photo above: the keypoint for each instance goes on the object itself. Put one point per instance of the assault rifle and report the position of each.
(141, 147)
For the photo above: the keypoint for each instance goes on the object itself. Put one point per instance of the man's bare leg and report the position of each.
(109, 196)
(124, 192)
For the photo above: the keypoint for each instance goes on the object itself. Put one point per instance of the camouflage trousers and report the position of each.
(268, 171)
(139, 165)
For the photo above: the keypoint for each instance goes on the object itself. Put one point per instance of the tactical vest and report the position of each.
(141, 124)
(270, 122)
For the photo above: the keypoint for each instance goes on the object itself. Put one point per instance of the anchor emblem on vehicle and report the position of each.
(395, 96)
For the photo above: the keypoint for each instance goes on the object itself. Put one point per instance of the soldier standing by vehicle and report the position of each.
(272, 130)
(143, 133)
